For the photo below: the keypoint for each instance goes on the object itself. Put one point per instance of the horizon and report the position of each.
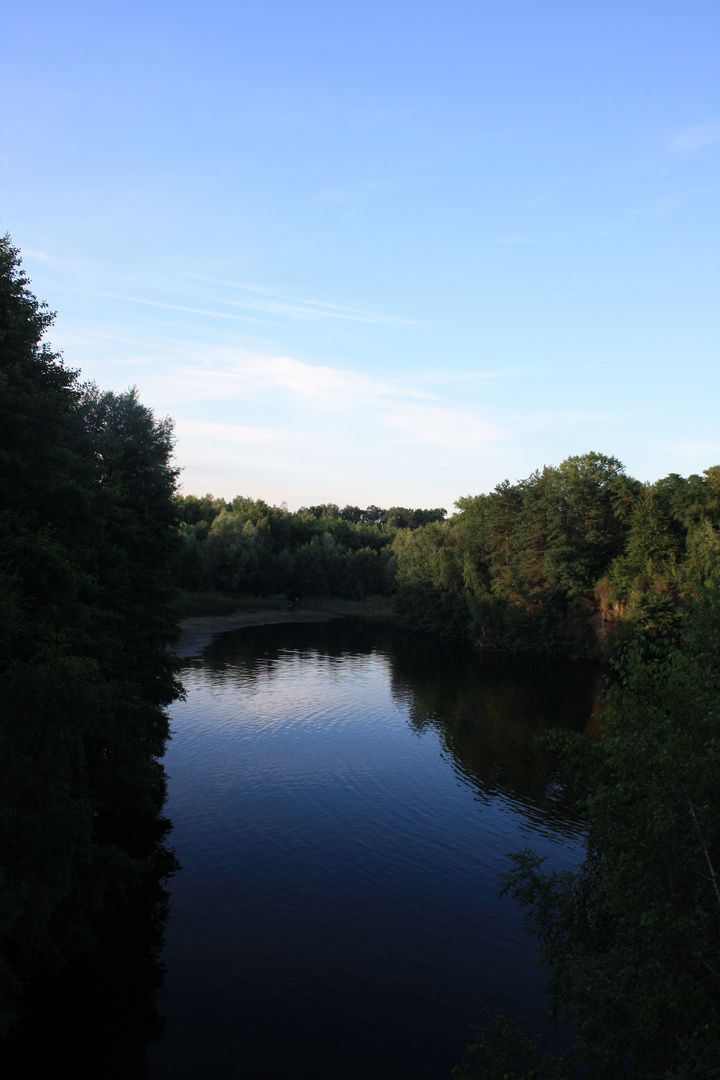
(383, 256)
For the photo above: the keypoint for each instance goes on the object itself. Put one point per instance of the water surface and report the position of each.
(344, 797)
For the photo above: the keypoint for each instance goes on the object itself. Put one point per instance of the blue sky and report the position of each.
(384, 253)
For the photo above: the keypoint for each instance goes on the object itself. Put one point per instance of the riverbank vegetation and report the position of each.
(631, 941)
(246, 546)
(555, 564)
(87, 541)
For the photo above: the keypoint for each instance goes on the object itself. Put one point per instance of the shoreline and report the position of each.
(198, 631)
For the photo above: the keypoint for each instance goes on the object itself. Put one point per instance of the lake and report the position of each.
(343, 797)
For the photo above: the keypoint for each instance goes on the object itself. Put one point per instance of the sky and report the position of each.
(383, 253)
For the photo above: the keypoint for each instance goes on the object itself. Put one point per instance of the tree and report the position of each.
(87, 540)
(632, 940)
(503, 1051)
(585, 494)
(133, 542)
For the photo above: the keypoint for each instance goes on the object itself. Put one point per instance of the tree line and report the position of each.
(547, 564)
(247, 546)
(550, 563)
(88, 540)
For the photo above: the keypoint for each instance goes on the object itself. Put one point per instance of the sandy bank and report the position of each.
(198, 632)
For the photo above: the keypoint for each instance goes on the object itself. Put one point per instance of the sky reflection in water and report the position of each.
(343, 799)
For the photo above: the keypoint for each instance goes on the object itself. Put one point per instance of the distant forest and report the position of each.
(560, 563)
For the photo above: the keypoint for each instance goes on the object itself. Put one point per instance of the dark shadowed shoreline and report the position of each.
(199, 631)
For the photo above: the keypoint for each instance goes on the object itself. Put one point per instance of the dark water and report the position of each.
(343, 799)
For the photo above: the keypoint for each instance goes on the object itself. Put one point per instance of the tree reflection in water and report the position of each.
(345, 796)
(337, 915)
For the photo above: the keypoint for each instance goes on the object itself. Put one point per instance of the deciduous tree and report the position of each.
(632, 940)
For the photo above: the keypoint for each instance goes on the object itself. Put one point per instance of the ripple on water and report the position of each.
(342, 817)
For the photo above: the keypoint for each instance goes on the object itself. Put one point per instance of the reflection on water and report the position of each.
(99, 1013)
(343, 797)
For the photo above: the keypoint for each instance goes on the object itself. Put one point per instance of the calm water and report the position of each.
(343, 799)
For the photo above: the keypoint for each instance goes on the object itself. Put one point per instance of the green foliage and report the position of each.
(248, 546)
(193, 604)
(503, 1051)
(432, 611)
(632, 940)
(556, 562)
(87, 541)
(552, 564)
(546, 624)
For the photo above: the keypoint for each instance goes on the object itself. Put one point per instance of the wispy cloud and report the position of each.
(474, 380)
(327, 404)
(309, 309)
(323, 385)
(173, 291)
(550, 419)
(245, 434)
(441, 425)
(300, 307)
(706, 450)
(669, 202)
(178, 307)
(696, 138)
